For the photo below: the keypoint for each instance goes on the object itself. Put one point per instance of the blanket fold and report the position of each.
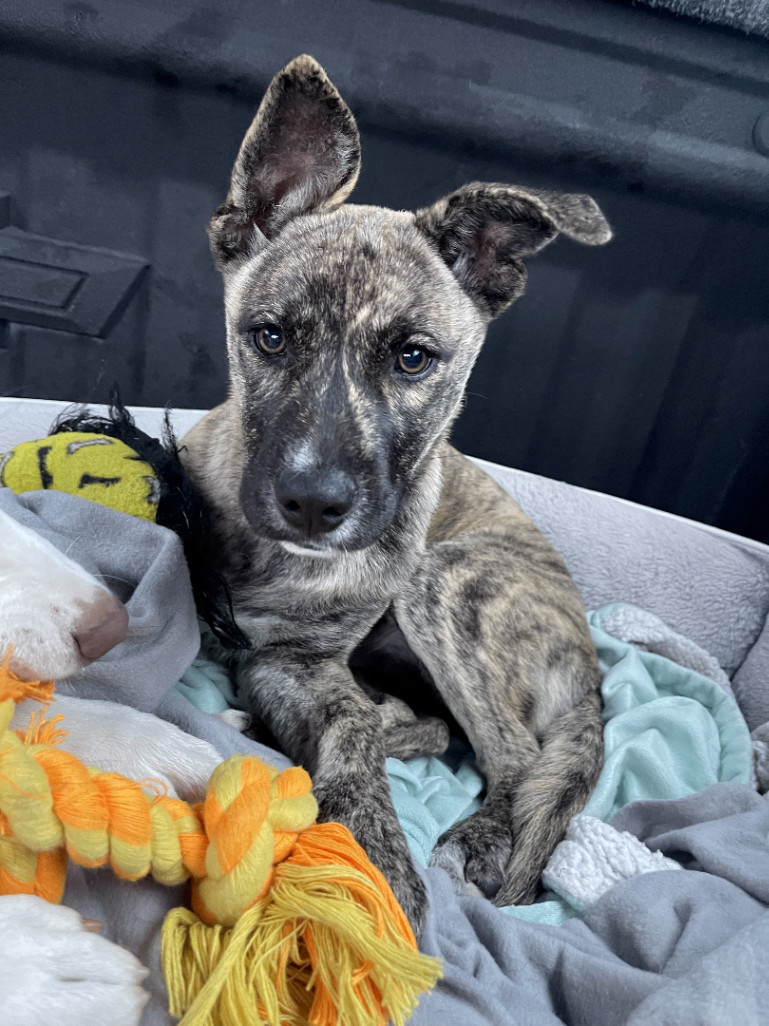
(677, 948)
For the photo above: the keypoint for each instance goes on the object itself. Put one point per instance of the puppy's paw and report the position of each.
(236, 718)
(427, 737)
(394, 861)
(389, 853)
(410, 893)
(519, 888)
(475, 854)
(376, 829)
(53, 969)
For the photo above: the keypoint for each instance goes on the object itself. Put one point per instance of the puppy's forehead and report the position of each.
(363, 265)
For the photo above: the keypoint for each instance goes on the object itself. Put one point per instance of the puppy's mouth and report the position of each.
(352, 536)
(309, 550)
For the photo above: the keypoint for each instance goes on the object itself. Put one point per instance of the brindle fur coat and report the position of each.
(351, 534)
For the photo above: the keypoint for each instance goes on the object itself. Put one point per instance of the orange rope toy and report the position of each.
(292, 924)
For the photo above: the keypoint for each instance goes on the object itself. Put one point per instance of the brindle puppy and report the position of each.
(342, 518)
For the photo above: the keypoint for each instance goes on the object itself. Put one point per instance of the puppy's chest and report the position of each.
(305, 603)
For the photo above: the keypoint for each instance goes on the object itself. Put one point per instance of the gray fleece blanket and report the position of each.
(678, 948)
(662, 947)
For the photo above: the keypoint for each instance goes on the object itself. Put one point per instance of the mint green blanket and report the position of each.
(670, 732)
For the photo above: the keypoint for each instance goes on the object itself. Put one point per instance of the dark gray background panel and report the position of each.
(640, 369)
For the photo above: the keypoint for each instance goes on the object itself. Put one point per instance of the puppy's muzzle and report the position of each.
(316, 501)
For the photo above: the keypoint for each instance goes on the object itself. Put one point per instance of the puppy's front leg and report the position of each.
(323, 721)
(497, 621)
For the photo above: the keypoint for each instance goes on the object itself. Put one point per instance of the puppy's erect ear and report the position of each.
(482, 232)
(301, 155)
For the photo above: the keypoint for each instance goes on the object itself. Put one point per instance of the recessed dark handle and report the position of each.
(63, 285)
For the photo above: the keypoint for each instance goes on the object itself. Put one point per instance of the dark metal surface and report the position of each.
(55, 284)
(641, 369)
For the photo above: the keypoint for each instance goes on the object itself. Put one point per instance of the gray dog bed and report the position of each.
(663, 947)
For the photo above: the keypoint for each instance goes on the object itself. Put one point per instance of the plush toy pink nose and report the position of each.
(104, 627)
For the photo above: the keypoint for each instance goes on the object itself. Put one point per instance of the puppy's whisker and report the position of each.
(115, 577)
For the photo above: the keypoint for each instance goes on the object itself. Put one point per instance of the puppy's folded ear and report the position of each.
(301, 155)
(482, 232)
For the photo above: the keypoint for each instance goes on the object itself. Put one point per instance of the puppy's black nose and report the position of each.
(315, 501)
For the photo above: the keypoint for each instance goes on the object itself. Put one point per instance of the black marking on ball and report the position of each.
(46, 478)
(90, 479)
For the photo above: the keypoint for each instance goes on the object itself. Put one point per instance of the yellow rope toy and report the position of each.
(293, 925)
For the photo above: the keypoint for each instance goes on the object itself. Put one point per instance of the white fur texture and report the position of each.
(55, 972)
(44, 598)
(118, 739)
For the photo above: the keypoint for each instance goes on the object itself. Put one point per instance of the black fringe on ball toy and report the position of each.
(180, 508)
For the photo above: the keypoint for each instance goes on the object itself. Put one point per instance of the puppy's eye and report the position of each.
(413, 360)
(269, 338)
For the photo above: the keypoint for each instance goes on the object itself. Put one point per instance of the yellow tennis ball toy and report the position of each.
(92, 466)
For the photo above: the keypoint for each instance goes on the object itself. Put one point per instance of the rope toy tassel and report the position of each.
(327, 946)
(18, 690)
